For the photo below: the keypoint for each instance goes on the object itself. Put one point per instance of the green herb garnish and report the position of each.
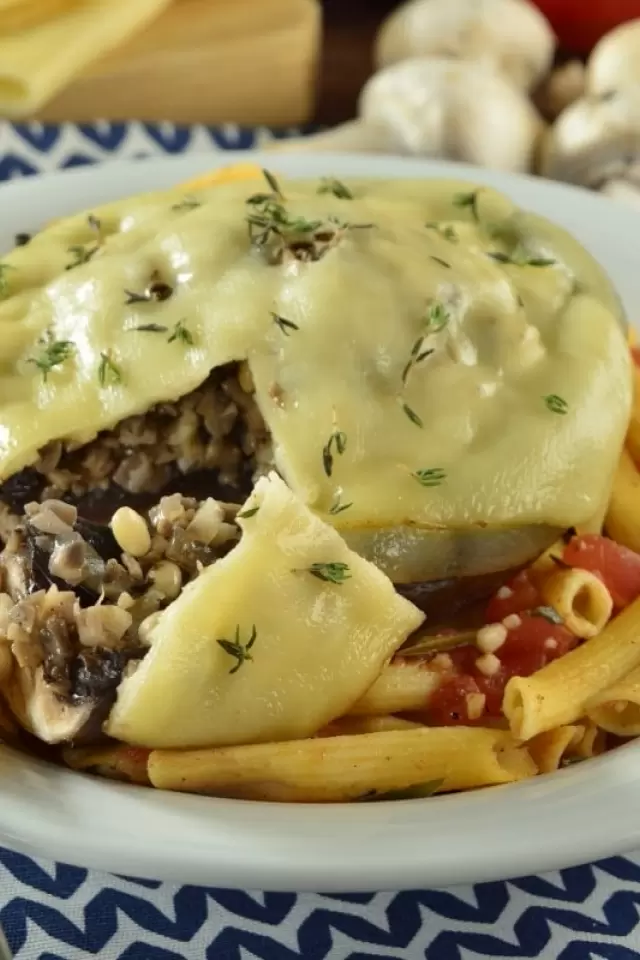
(133, 297)
(443, 263)
(181, 334)
(108, 371)
(521, 259)
(336, 187)
(330, 572)
(187, 203)
(447, 231)
(251, 512)
(53, 355)
(437, 317)
(432, 477)
(417, 356)
(238, 650)
(337, 441)
(549, 613)
(415, 792)
(468, 200)
(412, 415)
(285, 325)
(150, 328)
(338, 507)
(556, 404)
(81, 254)
(273, 183)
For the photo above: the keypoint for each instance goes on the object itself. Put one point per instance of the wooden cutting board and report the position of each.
(206, 61)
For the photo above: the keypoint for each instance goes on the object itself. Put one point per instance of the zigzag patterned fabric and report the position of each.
(57, 912)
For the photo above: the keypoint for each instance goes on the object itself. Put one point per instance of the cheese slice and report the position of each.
(36, 63)
(318, 644)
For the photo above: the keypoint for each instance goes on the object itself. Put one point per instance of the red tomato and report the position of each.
(524, 651)
(617, 566)
(524, 596)
(635, 353)
(579, 24)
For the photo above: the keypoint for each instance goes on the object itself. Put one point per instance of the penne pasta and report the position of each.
(617, 709)
(403, 686)
(623, 516)
(580, 598)
(114, 762)
(350, 725)
(633, 430)
(558, 694)
(346, 768)
(550, 748)
(592, 742)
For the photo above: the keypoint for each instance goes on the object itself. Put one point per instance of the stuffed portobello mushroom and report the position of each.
(417, 375)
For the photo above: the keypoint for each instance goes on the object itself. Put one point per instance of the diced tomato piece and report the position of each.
(448, 705)
(527, 649)
(524, 596)
(617, 566)
(635, 353)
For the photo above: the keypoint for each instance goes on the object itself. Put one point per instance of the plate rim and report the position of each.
(53, 812)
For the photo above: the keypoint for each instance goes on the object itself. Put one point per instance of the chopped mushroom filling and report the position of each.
(216, 427)
(75, 602)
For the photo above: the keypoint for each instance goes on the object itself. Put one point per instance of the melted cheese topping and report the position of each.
(318, 645)
(504, 336)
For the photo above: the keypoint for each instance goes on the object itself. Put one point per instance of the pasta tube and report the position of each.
(336, 769)
(581, 599)
(115, 763)
(550, 748)
(617, 709)
(557, 694)
(623, 516)
(633, 430)
(403, 685)
(350, 725)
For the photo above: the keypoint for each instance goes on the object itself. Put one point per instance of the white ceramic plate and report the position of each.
(579, 814)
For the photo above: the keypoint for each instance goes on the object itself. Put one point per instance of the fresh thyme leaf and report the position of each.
(338, 439)
(413, 416)
(337, 506)
(549, 613)
(556, 404)
(181, 334)
(4, 283)
(81, 255)
(499, 256)
(415, 792)
(437, 317)
(258, 198)
(447, 231)
(434, 643)
(336, 187)
(330, 572)
(238, 650)
(22, 239)
(150, 328)
(108, 371)
(443, 263)
(541, 262)
(94, 223)
(187, 203)
(432, 477)
(132, 297)
(251, 512)
(327, 459)
(467, 200)
(273, 183)
(54, 354)
(417, 356)
(285, 325)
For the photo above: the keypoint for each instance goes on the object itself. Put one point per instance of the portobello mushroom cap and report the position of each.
(443, 377)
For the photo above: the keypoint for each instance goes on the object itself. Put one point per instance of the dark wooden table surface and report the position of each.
(349, 29)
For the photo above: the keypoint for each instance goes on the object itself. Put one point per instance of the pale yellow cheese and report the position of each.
(318, 644)
(515, 334)
(36, 63)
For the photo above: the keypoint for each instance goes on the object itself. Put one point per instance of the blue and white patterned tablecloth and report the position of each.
(55, 912)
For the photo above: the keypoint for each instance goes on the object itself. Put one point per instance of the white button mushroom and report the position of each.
(452, 109)
(511, 34)
(561, 88)
(615, 61)
(595, 139)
